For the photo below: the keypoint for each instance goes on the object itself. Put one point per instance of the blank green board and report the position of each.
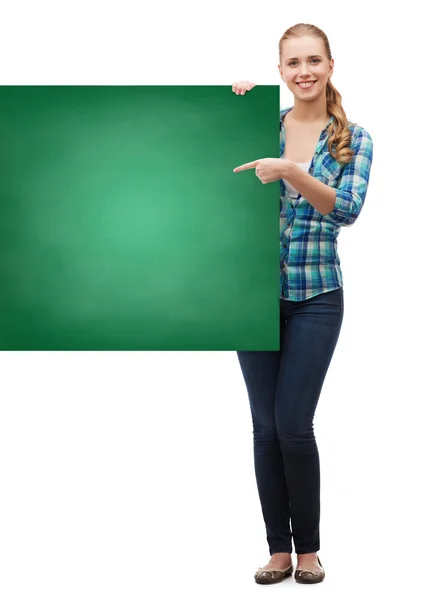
(123, 225)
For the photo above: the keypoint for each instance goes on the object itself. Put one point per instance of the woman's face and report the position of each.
(303, 59)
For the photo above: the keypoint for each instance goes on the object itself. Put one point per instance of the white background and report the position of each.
(130, 475)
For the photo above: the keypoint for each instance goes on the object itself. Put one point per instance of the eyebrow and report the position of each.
(312, 56)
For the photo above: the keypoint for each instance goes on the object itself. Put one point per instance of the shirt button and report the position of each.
(285, 245)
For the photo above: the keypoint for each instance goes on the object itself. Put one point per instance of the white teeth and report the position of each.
(306, 85)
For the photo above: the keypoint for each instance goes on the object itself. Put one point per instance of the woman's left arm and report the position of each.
(320, 195)
(341, 205)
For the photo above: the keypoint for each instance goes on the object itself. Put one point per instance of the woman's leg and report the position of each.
(310, 335)
(260, 371)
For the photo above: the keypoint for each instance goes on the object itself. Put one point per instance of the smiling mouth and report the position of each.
(305, 84)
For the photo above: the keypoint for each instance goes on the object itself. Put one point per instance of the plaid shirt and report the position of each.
(309, 261)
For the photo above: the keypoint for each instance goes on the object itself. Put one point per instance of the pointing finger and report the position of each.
(250, 165)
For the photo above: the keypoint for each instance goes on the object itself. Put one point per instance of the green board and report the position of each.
(123, 225)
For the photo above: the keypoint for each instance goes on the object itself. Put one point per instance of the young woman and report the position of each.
(323, 172)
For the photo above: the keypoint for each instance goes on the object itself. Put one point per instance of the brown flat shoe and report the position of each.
(309, 576)
(266, 576)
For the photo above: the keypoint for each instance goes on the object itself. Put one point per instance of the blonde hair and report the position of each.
(339, 133)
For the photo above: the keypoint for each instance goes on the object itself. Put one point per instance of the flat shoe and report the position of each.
(266, 576)
(308, 575)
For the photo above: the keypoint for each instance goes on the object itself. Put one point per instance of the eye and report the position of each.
(293, 62)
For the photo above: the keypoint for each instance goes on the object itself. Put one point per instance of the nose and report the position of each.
(304, 71)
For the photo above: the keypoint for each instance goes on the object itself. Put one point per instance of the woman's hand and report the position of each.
(267, 169)
(241, 87)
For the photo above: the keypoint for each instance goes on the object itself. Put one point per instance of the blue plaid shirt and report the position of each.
(309, 261)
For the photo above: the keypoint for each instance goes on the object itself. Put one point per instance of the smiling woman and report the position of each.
(323, 169)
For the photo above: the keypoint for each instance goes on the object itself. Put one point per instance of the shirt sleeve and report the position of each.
(352, 188)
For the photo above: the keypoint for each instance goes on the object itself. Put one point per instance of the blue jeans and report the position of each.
(283, 388)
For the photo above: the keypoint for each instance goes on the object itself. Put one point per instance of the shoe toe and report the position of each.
(271, 575)
(309, 576)
(265, 577)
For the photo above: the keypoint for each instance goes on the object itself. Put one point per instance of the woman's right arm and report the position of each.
(241, 87)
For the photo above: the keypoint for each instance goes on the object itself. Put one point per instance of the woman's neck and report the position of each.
(309, 112)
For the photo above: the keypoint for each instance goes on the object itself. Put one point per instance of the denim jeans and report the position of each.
(283, 387)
